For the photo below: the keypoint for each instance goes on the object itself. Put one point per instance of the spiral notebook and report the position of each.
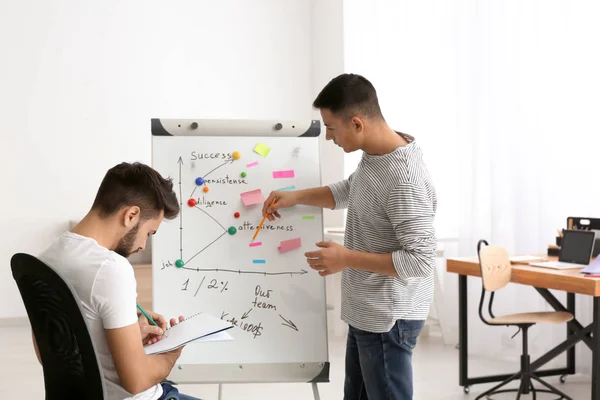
(198, 327)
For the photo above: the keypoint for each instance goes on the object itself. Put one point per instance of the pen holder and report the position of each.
(553, 251)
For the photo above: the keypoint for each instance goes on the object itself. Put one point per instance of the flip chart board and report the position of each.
(206, 261)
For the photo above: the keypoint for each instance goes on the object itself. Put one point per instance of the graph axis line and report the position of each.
(292, 273)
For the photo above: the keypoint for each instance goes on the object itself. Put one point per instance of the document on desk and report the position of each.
(592, 268)
(526, 259)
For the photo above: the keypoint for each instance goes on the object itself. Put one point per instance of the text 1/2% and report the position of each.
(212, 285)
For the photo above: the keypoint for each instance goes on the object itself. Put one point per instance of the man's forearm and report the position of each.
(158, 367)
(404, 264)
(165, 363)
(377, 263)
(316, 197)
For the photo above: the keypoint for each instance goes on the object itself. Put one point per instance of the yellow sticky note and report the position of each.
(262, 149)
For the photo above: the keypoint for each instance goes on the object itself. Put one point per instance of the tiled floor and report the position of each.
(435, 369)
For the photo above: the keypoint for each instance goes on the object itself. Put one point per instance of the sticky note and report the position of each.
(308, 217)
(259, 261)
(287, 188)
(252, 164)
(288, 173)
(252, 197)
(262, 149)
(291, 244)
(255, 244)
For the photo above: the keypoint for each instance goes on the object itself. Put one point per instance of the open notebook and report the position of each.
(198, 327)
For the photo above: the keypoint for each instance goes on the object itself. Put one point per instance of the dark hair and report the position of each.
(139, 185)
(349, 94)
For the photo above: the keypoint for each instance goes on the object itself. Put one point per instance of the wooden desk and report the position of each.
(570, 280)
(542, 279)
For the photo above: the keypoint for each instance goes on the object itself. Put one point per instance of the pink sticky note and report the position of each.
(291, 244)
(288, 173)
(252, 164)
(252, 197)
(255, 244)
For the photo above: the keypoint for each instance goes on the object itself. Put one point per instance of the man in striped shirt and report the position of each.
(387, 260)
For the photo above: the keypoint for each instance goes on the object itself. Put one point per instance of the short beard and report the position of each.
(125, 245)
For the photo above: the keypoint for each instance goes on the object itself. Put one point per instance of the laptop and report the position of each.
(575, 251)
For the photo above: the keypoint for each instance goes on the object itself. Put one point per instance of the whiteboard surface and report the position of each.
(279, 306)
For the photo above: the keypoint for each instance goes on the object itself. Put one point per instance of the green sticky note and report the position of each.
(262, 149)
(308, 217)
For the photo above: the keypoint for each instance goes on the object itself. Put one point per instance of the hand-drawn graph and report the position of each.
(192, 260)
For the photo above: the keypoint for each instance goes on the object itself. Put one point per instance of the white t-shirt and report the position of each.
(106, 286)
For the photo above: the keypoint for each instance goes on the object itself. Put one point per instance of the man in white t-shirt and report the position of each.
(130, 204)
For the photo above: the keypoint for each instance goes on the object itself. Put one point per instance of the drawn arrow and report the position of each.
(211, 217)
(209, 172)
(289, 324)
(180, 162)
(207, 246)
(246, 314)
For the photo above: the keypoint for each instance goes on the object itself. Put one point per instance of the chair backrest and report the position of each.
(71, 367)
(495, 266)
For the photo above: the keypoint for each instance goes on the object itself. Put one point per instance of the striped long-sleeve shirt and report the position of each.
(391, 205)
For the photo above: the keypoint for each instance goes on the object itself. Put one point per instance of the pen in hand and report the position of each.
(261, 223)
(150, 318)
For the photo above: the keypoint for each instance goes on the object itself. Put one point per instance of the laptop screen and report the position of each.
(576, 246)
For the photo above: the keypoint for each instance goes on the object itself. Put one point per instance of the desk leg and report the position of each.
(463, 366)
(596, 351)
(570, 331)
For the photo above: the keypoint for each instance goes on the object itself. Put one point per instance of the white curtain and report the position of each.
(504, 99)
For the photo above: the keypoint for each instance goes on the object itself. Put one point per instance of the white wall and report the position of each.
(80, 81)
(328, 62)
(406, 50)
(482, 85)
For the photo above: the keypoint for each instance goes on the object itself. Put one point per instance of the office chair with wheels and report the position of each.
(71, 368)
(495, 274)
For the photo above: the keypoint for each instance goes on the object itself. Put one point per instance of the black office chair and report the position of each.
(71, 368)
(496, 272)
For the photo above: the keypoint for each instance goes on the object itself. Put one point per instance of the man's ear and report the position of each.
(131, 216)
(357, 124)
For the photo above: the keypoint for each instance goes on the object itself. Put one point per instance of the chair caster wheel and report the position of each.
(466, 389)
(563, 378)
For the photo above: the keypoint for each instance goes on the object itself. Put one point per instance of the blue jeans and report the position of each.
(379, 365)
(170, 392)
